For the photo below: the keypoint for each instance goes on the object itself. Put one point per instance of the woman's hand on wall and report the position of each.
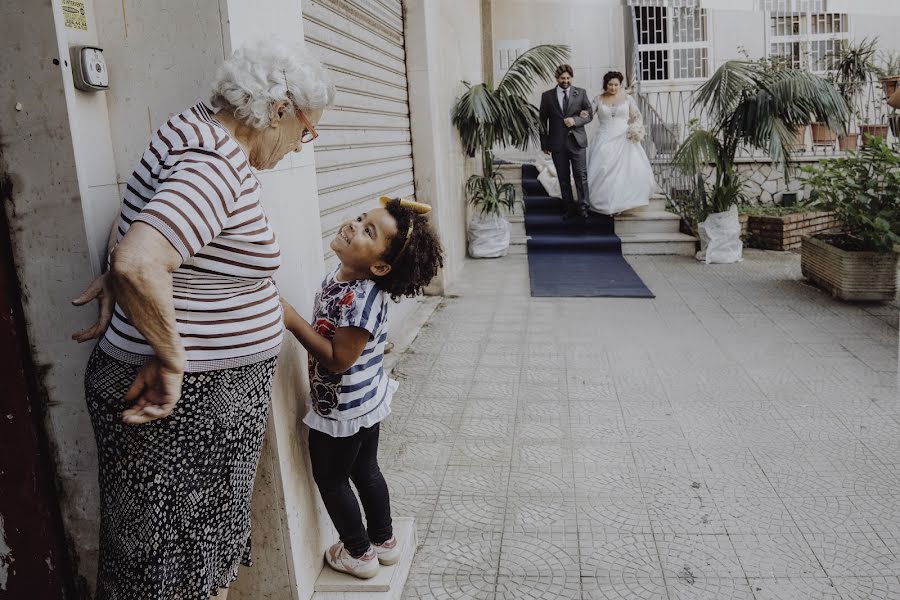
(100, 289)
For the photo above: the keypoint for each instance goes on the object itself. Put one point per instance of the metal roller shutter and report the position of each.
(365, 148)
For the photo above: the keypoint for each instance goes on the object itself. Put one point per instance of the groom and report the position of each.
(564, 138)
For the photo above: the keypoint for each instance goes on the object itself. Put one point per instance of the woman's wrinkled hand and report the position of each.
(100, 289)
(154, 393)
(583, 114)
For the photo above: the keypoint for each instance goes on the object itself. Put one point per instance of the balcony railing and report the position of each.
(670, 114)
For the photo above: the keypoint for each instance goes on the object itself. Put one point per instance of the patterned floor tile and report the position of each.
(739, 424)
(466, 513)
(868, 588)
(544, 554)
(555, 587)
(854, 554)
(623, 589)
(685, 586)
(794, 588)
(684, 515)
(705, 556)
(776, 555)
(619, 557)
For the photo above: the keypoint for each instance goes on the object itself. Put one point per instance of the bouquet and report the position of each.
(635, 132)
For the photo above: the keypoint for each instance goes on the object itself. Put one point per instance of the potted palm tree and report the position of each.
(749, 104)
(863, 190)
(849, 69)
(489, 117)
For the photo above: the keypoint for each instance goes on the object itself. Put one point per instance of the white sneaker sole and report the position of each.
(390, 558)
(359, 574)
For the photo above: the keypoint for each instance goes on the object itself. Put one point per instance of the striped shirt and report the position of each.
(359, 397)
(194, 186)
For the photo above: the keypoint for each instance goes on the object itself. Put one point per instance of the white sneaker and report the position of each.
(364, 567)
(388, 552)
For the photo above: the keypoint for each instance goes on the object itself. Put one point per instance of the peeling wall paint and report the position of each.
(6, 557)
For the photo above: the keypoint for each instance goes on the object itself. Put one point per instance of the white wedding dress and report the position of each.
(619, 174)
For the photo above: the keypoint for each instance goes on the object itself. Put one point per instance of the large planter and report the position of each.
(786, 232)
(822, 135)
(848, 142)
(853, 276)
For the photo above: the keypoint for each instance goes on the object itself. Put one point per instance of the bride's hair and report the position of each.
(612, 75)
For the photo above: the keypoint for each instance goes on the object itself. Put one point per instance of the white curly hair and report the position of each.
(259, 74)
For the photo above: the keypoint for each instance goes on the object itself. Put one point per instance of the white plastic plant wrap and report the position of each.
(720, 238)
(548, 179)
(488, 236)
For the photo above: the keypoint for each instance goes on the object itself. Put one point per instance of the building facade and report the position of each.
(66, 157)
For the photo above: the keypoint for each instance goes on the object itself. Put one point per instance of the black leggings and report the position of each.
(337, 461)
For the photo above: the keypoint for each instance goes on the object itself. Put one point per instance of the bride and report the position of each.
(619, 174)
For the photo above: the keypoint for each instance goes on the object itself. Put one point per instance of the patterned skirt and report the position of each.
(175, 493)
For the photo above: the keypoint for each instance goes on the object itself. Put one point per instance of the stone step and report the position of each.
(647, 221)
(657, 204)
(387, 585)
(658, 243)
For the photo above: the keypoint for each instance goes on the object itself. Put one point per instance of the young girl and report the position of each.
(390, 251)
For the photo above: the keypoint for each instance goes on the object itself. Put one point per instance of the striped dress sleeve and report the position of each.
(194, 200)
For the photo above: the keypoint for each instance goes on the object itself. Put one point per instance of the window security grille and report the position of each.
(807, 40)
(672, 42)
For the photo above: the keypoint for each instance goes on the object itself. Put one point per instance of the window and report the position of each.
(807, 40)
(672, 43)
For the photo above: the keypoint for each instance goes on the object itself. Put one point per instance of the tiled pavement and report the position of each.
(737, 437)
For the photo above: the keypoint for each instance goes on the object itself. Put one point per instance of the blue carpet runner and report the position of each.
(570, 259)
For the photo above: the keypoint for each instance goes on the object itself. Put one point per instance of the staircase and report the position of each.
(645, 230)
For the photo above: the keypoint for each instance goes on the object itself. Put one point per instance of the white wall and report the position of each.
(592, 28)
(435, 74)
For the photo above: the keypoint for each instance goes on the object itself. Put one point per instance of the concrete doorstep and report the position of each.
(387, 585)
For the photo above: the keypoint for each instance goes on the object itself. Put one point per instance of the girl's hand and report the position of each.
(291, 317)
(583, 114)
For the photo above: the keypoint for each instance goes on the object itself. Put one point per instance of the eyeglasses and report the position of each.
(309, 132)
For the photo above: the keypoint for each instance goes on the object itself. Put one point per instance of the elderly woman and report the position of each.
(178, 388)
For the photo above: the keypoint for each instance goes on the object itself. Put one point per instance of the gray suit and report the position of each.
(567, 145)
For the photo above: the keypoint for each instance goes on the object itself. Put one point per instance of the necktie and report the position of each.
(565, 101)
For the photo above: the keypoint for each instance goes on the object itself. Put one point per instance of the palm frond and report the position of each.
(535, 64)
(700, 149)
(473, 115)
(725, 88)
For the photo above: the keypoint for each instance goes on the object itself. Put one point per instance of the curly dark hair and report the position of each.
(565, 69)
(414, 262)
(613, 75)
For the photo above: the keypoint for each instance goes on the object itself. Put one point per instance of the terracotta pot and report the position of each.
(822, 135)
(890, 85)
(873, 130)
(799, 142)
(848, 142)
